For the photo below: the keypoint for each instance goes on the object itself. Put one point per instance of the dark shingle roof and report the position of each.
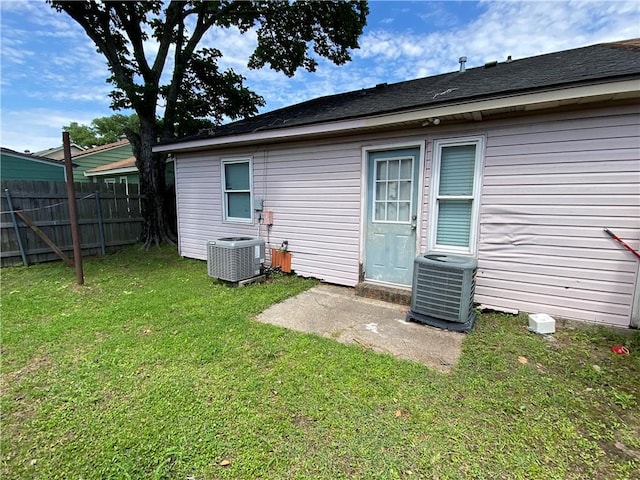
(593, 64)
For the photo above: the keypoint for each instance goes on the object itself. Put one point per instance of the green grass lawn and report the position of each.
(154, 370)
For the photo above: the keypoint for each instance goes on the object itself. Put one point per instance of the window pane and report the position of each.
(392, 191)
(454, 222)
(403, 211)
(392, 212)
(381, 174)
(380, 211)
(236, 176)
(405, 190)
(456, 170)
(405, 169)
(394, 169)
(239, 205)
(381, 191)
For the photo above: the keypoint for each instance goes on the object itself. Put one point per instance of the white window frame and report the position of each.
(126, 184)
(225, 203)
(414, 160)
(438, 145)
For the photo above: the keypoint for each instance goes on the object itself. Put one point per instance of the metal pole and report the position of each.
(16, 228)
(100, 224)
(73, 215)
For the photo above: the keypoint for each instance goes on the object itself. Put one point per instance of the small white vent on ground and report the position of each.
(542, 323)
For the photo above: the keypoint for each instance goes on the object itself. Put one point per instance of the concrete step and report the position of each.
(385, 293)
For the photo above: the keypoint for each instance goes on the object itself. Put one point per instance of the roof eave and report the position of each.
(548, 98)
(114, 171)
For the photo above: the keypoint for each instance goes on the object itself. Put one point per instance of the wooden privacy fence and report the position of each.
(108, 216)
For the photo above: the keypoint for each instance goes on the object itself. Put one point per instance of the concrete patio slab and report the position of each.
(337, 313)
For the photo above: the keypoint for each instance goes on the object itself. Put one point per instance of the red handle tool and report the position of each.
(622, 242)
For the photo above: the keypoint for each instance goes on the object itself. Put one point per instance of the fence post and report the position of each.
(16, 228)
(73, 213)
(100, 224)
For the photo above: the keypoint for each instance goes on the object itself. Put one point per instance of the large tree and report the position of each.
(184, 78)
(102, 130)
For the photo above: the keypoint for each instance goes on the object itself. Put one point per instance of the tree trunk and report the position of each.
(156, 226)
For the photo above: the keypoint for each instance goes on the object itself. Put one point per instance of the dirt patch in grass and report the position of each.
(303, 422)
(34, 364)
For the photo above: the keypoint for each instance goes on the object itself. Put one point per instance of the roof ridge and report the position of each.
(99, 148)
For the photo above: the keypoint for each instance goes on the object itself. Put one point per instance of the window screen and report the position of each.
(455, 196)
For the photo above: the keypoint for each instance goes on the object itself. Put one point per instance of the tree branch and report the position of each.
(173, 14)
(126, 12)
(182, 58)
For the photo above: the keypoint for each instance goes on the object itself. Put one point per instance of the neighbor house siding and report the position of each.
(91, 160)
(18, 168)
(550, 186)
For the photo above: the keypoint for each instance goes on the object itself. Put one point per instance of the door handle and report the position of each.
(414, 223)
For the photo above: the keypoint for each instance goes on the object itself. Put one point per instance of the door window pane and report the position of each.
(404, 209)
(405, 191)
(392, 211)
(394, 169)
(393, 187)
(406, 170)
(381, 213)
(392, 191)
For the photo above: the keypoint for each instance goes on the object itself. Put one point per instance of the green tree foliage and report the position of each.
(102, 130)
(188, 83)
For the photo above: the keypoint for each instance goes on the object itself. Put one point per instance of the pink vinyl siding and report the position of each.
(314, 194)
(550, 184)
(549, 188)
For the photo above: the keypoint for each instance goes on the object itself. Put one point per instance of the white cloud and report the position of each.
(236, 47)
(43, 15)
(39, 128)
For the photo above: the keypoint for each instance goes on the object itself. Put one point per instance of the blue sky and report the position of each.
(51, 75)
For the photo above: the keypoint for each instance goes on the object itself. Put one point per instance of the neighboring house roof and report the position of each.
(33, 157)
(102, 148)
(101, 155)
(537, 78)
(128, 165)
(58, 152)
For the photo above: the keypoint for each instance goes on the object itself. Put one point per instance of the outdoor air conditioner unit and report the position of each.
(443, 288)
(235, 258)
